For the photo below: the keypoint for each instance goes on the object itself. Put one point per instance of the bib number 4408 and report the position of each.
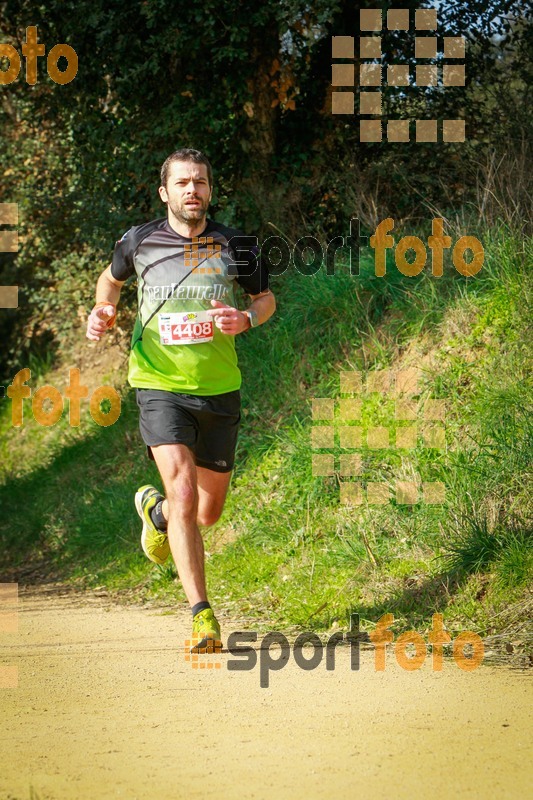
(191, 329)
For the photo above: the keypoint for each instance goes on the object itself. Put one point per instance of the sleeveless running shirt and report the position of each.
(173, 346)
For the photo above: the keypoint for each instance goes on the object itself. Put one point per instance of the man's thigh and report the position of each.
(166, 418)
(176, 462)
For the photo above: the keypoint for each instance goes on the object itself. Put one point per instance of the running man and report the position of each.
(183, 364)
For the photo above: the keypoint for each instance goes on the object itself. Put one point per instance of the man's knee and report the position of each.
(208, 516)
(182, 497)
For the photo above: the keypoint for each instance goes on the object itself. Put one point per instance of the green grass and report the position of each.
(296, 556)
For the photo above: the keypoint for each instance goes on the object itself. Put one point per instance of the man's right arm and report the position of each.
(103, 314)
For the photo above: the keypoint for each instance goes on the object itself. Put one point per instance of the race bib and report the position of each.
(192, 327)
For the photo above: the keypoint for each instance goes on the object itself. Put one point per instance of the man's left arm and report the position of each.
(261, 308)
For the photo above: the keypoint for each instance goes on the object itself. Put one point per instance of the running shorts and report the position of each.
(208, 425)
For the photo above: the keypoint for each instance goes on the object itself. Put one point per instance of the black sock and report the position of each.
(201, 606)
(157, 517)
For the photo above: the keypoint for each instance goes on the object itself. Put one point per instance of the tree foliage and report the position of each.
(250, 84)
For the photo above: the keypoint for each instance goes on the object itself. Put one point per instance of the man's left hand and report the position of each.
(229, 320)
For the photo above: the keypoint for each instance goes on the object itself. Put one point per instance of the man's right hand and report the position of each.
(100, 319)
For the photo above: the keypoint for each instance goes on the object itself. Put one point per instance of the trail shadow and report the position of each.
(416, 600)
(76, 512)
(80, 501)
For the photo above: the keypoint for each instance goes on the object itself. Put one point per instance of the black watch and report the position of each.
(252, 316)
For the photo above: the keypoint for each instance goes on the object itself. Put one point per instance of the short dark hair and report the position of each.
(186, 154)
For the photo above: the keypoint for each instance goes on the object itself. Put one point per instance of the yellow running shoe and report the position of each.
(154, 542)
(206, 633)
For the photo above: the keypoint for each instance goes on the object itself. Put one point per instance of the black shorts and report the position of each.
(208, 425)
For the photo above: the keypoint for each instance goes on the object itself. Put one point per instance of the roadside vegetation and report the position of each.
(287, 552)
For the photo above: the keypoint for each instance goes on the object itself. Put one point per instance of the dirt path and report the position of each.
(108, 707)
